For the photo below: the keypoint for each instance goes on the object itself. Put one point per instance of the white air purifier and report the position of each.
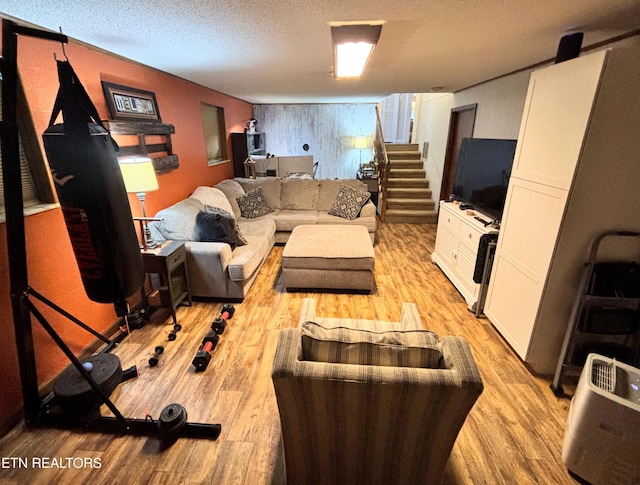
(602, 439)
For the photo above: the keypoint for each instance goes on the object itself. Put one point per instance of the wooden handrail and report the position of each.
(383, 167)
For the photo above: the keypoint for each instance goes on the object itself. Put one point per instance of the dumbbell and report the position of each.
(153, 361)
(203, 356)
(176, 328)
(220, 323)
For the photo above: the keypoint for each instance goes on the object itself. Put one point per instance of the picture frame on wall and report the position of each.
(130, 104)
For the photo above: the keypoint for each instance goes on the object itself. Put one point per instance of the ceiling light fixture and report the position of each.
(353, 45)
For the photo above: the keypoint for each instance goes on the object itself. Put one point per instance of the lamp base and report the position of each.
(148, 242)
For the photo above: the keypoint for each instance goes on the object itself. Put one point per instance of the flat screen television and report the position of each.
(482, 174)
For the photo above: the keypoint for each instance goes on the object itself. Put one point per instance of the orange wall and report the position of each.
(51, 264)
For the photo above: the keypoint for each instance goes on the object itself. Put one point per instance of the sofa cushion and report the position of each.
(232, 190)
(247, 259)
(382, 344)
(212, 197)
(369, 222)
(299, 194)
(348, 202)
(329, 189)
(287, 220)
(270, 188)
(253, 204)
(179, 220)
(231, 224)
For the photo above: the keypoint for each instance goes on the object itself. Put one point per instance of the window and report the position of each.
(37, 192)
(214, 134)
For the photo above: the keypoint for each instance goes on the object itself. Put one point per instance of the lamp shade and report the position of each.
(360, 142)
(139, 175)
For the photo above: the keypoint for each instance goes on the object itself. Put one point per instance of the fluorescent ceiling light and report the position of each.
(353, 45)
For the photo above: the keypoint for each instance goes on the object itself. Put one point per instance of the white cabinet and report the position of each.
(576, 173)
(456, 249)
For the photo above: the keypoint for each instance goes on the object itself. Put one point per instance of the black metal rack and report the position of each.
(606, 316)
(37, 411)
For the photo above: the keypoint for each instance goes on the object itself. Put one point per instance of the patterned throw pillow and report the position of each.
(396, 348)
(253, 204)
(348, 202)
(230, 221)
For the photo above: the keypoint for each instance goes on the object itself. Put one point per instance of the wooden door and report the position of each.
(461, 126)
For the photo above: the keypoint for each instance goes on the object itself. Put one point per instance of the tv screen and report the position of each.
(482, 174)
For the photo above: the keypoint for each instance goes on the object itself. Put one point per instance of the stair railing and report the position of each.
(382, 162)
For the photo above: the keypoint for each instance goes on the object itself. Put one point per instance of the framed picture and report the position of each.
(130, 104)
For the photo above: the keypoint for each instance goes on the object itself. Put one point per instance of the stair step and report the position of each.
(406, 173)
(415, 164)
(408, 182)
(417, 204)
(400, 155)
(391, 147)
(411, 216)
(408, 193)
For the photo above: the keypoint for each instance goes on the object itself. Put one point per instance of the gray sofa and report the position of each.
(218, 271)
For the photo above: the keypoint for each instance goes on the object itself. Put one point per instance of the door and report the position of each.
(396, 118)
(461, 126)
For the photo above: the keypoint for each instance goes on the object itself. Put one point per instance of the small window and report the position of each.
(37, 192)
(214, 134)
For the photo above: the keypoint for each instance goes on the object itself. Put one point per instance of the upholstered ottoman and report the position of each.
(328, 257)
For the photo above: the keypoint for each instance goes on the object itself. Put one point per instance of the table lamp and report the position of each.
(139, 178)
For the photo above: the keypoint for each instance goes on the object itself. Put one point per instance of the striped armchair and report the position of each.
(370, 424)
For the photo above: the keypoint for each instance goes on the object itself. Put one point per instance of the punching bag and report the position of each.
(83, 162)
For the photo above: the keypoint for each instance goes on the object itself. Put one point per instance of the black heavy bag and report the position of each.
(86, 174)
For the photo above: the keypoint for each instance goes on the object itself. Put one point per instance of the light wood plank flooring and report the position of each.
(513, 435)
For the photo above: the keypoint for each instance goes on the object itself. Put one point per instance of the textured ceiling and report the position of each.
(277, 51)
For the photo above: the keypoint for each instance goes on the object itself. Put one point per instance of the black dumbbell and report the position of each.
(203, 356)
(220, 323)
(153, 361)
(176, 328)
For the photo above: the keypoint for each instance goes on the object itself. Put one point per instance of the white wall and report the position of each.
(500, 105)
(432, 125)
(328, 129)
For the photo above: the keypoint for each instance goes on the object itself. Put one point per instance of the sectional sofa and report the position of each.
(219, 270)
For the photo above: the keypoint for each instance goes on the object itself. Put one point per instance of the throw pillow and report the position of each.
(348, 202)
(345, 345)
(253, 204)
(214, 228)
(230, 220)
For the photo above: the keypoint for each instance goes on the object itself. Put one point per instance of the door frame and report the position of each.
(451, 158)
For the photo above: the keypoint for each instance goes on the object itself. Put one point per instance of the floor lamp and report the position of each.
(139, 178)
(360, 143)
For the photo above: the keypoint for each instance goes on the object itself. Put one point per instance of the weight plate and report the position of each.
(172, 418)
(73, 392)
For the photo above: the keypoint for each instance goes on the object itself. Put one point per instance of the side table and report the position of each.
(167, 270)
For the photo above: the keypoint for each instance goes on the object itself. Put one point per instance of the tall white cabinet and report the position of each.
(576, 173)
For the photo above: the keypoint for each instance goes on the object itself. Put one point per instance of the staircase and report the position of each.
(408, 192)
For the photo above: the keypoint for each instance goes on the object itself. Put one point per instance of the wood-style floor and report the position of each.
(513, 435)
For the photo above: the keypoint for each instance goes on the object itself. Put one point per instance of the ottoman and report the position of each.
(328, 257)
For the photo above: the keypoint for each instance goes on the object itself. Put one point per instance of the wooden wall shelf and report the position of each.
(141, 129)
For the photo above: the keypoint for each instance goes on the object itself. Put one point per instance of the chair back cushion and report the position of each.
(396, 347)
